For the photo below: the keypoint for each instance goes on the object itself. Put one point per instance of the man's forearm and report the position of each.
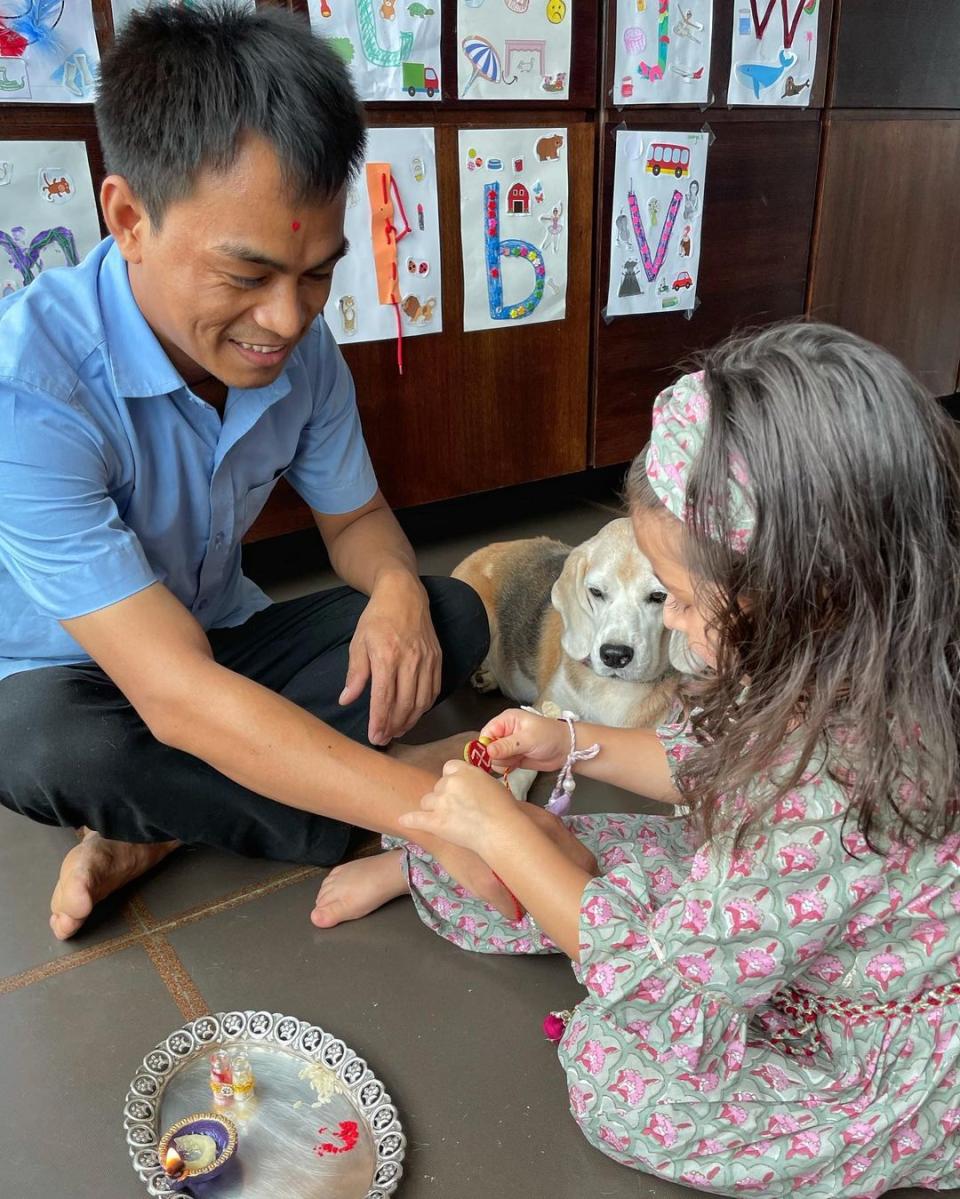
(373, 549)
(273, 747)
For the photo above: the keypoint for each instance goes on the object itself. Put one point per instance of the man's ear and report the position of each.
(125, 216)
(569, 597)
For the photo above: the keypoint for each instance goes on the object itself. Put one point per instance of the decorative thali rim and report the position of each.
(363, 1089)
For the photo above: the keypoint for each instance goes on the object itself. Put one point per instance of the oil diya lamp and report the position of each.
(197, 1148)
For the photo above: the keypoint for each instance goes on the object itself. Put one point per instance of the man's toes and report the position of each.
(63, 926)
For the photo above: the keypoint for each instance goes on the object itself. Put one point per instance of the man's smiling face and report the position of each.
(237, 271)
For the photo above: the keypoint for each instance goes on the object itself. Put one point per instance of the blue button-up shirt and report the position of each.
(114, 475)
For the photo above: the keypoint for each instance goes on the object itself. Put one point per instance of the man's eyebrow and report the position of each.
(246, 254)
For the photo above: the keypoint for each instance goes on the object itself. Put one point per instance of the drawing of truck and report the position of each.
(418, 78)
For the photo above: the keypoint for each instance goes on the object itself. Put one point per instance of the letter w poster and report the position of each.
(513, 226)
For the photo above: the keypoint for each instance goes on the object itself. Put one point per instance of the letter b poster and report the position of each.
(513, 223)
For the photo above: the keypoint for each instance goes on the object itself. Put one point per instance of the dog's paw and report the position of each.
(482, 680)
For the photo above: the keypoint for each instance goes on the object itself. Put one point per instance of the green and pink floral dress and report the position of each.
(780, 1020)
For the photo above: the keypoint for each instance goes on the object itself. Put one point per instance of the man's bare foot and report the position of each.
(433, 754)
(91, 871)
(356, 888)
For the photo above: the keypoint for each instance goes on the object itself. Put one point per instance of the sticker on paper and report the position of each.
(392, 47)
(514, 229)
(663, 52)
(513, 49)
(48, 52)
(48, 214)
(774, 52)
(655, 231)
(391, 273)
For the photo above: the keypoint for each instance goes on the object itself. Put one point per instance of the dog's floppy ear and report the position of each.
(569, 597)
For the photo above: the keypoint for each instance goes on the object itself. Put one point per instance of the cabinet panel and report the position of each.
(887, 259)
(758, 218)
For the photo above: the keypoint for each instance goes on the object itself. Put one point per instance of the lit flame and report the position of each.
(173, 1163)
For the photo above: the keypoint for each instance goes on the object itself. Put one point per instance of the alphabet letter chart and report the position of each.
(513, 221)
(657, 218)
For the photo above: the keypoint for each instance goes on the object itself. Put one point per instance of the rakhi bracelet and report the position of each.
(475, 754)
(566, 784)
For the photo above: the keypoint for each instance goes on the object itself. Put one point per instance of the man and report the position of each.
(149, 400)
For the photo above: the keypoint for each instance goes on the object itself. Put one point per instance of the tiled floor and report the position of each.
(456, 1037)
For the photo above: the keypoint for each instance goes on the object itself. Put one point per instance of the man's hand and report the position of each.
(395, 646)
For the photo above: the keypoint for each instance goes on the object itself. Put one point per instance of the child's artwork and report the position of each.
(663, 52)
(774, 52)
(391, 46)
(48, 215)
(48, 52)
(513, 226)
(514, 49)
(388, 285)
(657, 217)
(123, 8)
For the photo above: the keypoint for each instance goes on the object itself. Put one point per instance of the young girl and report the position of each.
(773, 1004)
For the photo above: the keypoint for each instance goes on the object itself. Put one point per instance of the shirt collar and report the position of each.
(139, 363)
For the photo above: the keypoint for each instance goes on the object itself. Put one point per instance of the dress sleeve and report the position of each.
(732, 926)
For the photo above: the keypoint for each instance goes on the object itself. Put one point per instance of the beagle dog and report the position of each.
(579, 629)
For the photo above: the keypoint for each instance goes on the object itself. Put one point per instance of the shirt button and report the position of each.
(218, 541)
(202, 604)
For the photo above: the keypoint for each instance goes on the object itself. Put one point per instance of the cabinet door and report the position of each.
(886, 262)
(757, 221)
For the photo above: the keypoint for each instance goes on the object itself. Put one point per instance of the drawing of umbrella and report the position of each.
(485, 61)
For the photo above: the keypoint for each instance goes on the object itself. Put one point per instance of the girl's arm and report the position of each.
(472, 810)
(630, 758)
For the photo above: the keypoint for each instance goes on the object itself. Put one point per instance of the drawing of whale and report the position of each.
(760, 75)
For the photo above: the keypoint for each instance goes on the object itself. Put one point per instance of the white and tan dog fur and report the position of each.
(579, 629)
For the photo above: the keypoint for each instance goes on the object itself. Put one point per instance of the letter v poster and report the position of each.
(657, 219)
(513, 226)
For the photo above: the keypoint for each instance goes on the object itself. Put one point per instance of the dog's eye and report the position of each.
(657, 597)
(595, 592)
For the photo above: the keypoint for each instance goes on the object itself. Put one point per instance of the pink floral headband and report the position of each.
(681, 415)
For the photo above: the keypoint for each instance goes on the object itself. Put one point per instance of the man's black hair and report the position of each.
(180, 87)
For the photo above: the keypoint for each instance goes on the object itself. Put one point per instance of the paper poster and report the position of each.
(513, 49)
(391, 46)
(657, 216)
(48, 214)
(513, 226)
(48, 52)
(390, 275)
(774, 52)
(123, 8)
(663, 52)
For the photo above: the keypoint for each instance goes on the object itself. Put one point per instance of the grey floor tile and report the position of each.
(30, 857)
(455, 1036)
(198, 876)
(69, 1049)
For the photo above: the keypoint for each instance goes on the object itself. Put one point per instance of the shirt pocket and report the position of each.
(256, 499)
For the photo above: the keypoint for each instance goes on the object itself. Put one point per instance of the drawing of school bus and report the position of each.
(664, 157)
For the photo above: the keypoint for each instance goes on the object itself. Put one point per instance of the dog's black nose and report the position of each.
(615, 656)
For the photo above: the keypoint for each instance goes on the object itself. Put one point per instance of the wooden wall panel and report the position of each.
(887, 259)
(757, 222)
(475, 411)
(895, 55)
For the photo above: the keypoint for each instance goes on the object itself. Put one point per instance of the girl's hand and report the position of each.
(465, 807)
(523, 740)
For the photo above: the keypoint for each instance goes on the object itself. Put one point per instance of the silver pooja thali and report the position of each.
(309, 1088)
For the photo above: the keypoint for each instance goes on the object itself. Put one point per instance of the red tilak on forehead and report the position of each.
(295, 226)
